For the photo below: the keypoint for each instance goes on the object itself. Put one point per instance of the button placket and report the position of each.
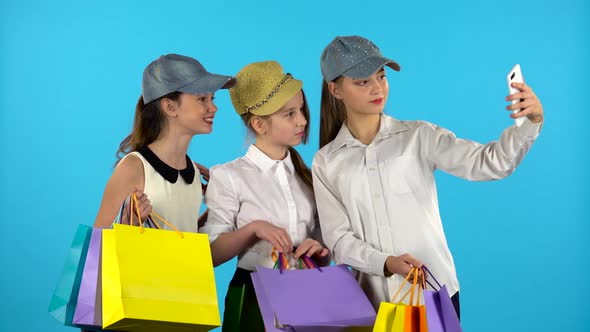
(291, 207)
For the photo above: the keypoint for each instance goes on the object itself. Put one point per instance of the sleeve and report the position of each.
(222, 203)
(336, 227)
(479, 162)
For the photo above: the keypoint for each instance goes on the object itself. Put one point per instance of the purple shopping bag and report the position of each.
(440, 312)
(329, 299)
(89, 306)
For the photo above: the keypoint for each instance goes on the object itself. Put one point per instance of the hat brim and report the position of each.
(279, 99)
(208, 83)
(369, 66)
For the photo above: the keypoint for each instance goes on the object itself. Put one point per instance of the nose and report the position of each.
(301, 120)
(211, 107)
(376, 87)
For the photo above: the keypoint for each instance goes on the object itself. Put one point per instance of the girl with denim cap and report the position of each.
(176, 104)
(263, 200)
(374, 175)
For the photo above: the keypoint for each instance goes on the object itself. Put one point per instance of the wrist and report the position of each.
(536, 118)
(386, 267)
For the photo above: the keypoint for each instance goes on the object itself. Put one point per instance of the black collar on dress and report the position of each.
(167, 172)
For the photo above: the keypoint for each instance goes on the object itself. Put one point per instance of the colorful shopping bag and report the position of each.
(440, 312)
(311, 299)
(89, 305)
(63, 302)
(395, 316)
(157, 280)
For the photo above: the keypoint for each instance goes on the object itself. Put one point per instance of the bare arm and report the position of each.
(127, 178)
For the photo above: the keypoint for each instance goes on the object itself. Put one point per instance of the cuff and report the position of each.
(529, 130)
(377, 261)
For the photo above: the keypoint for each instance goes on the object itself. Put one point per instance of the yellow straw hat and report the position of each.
(262, 88)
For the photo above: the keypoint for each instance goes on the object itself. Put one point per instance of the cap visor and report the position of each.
(369, 66)
(208, 83)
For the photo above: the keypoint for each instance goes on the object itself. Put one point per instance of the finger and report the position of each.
(520, 86)
(314, 249)
(524, 112)
(520, 95)
(302, 248)
(202, 169)
(411, 260)
(275, 243)
(520, 105)
(286, 241)
(324, 252)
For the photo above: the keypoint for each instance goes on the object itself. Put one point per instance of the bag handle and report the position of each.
(415, 272)
(425, 269)
(153, 214)
(281, 262)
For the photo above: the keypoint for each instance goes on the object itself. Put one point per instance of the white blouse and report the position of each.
(380, 199)
(255, 187)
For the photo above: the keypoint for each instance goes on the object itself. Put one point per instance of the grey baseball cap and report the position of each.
(173, 72)
(352, 56)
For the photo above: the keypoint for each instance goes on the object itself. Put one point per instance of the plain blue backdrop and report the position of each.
(70, 76)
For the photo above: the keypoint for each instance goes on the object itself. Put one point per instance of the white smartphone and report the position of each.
(515, 76)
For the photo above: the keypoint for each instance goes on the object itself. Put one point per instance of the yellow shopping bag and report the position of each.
(398, 317)
(157, 280)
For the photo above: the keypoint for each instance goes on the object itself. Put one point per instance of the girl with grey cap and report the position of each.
(176, 103)
(374, 175)
(265, 198)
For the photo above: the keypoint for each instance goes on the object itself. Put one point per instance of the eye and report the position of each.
(382, 76)
(203, 99)
(290, 114)
(361, 83)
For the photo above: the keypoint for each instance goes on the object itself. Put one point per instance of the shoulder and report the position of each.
(129, 170)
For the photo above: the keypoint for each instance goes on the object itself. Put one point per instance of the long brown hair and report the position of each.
(332, 114)
(147, 125)
(301, 168)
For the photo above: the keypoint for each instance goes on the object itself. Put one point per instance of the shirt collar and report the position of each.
(167, 172)
(265, 163)
(387, 127)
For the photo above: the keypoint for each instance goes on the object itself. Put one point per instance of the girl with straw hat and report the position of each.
(263, 200)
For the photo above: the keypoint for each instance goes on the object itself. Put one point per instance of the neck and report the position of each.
(171, 148)
(273, 151)
(363, 127)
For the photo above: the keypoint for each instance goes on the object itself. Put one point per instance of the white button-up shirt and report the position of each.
(255, 187)
(380, 199)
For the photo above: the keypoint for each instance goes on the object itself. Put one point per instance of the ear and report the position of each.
(169, 107)
(259, 125)
(335, 90)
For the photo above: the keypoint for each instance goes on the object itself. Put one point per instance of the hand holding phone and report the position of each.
(515, 76)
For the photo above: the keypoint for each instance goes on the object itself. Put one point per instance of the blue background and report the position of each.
(70, 77)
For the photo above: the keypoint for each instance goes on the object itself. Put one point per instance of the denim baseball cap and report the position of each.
(173, 72)
(352, 56)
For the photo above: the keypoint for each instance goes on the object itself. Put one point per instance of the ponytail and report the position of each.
(147, 125)
(301, 168)
(332, 115)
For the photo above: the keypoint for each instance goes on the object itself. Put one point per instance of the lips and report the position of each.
(208, 120)
(377, 101)
(299, 134)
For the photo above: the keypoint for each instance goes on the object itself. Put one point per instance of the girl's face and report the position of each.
(365, 96)
(196, 113)
(286, 126)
